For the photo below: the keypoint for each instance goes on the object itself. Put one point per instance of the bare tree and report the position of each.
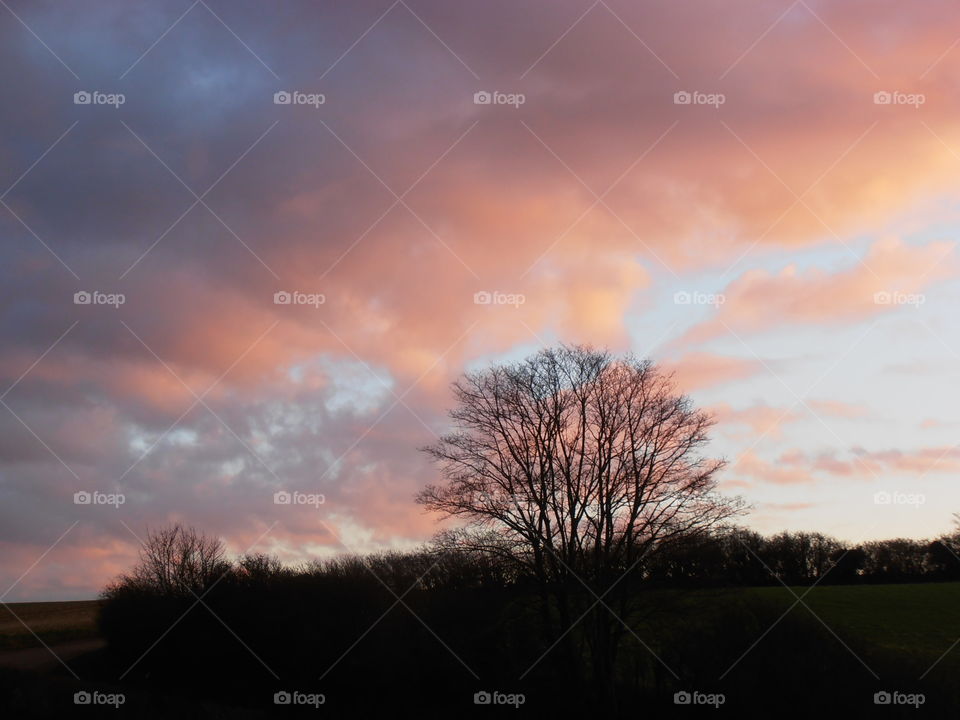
(177, 560)
(576, 467)
(259, 567)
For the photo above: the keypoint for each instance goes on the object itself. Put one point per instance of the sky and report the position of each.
(246, 247)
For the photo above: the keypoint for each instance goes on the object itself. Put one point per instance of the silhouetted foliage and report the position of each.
(177, 561)
(365, 630)
(587, 510)
(576, 468)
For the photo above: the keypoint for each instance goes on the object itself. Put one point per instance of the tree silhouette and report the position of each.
(577, 468)
(177, 560)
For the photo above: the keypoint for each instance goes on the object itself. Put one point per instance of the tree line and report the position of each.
(742, 557)
(583, 502)
(429, 623)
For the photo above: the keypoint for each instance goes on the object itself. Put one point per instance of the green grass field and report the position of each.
(913, 624)
(53, 622)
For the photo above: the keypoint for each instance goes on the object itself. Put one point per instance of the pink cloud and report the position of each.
(874, 464)
(839, 409)
(758, 300)
(499, 212)
(932, 423)
(749, 465)
(761, 419)
(700, 370)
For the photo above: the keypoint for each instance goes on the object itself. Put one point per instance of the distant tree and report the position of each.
(576, 467)
(952, 540)
(800, 557)
(694, 560)
(177, 560)
(259, 567)
(941, 562)
(740, 549)
(848, 565)
(896, 560)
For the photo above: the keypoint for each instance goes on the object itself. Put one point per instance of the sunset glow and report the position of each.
(246, 247)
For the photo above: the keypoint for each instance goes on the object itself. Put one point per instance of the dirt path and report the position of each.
(41, 659)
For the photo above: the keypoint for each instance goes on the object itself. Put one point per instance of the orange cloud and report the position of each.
(891, 270)
(931, 423)
(589, 194)
(749, 465)
(873, 464)
(836, 408)
(761, 419)
(700, 370)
